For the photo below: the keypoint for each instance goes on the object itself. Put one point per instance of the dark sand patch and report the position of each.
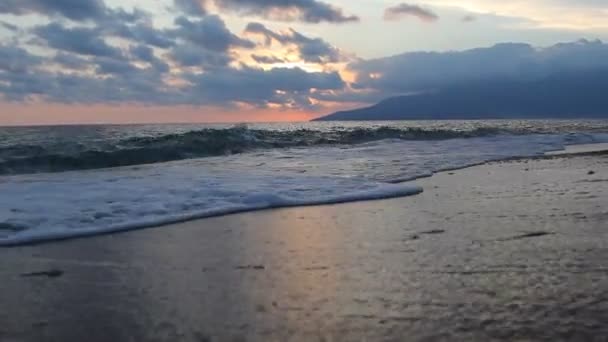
(48, 274)
(251, 267)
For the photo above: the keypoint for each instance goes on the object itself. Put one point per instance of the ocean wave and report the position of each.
(47, 206)
(20, 159)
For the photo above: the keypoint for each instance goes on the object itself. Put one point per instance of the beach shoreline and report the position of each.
(409, 189)
(504, 250)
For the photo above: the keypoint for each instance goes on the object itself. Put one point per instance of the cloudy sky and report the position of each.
(85, 61)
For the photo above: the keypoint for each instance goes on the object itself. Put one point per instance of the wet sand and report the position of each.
(505, 251)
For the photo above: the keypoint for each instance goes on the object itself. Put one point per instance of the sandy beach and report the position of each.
(504, 251)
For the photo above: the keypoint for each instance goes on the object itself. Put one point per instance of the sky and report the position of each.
(128, 61)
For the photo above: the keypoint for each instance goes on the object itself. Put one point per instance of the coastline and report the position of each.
(504, 250)
(395, 188)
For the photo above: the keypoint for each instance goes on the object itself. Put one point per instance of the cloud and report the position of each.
(280, 86)
(143, 52)
(123, 82)
(114, 66)
(80, 40)
(146, 54)
(70, 61)
(77, 10)
(114, 81)
(312, 50)
(190, 55)
(310, 11)
(258, 28)
(191, 7)
(129, 69)
(427, 71)
(9, 26)
(94, 72)
(402, 10)
(209, 32)
(141, 32)
(267, 59)
(204, 42)
(16, 60)
(119, 15)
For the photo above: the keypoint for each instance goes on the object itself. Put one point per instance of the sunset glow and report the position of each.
(194, 60)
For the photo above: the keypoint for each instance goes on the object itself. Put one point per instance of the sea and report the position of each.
(59, 182)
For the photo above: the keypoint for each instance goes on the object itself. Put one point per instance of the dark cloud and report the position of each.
(76, 10)
(267, 59)
(114, 66)
(71, 61)
(209, 32)
(20, 85)
(119, 16)
(146, 54)
(80, 40)
(142, 52)
(142, 33)
(313, 50)
(16, 60)
(139, 86)
(204, 42)
(262, 87)
(72, 9)
(96, 78)
(95, 71)
(424, 71)
(311, 11)
(402, 10)
(9, 26)
(125, 78)
(191, 7)
(257, 28)
(121, 83)
(125, 82)
(190, 55)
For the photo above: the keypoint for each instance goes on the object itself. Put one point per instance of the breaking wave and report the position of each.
(19, 159)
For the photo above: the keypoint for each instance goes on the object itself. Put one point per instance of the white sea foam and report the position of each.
(49, 206)
(56, 206)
